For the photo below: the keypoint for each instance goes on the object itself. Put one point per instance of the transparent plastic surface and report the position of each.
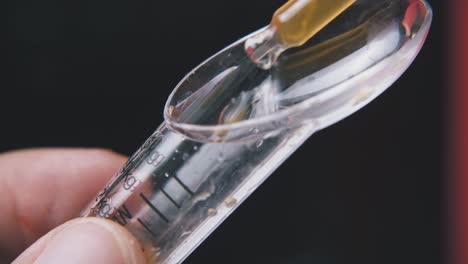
(230, 124)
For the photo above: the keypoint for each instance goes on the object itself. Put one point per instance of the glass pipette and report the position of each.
(291, 26)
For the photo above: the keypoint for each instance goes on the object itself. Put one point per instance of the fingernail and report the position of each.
(91, 240)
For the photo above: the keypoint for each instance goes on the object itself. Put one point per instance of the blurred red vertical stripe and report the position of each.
(459, 75)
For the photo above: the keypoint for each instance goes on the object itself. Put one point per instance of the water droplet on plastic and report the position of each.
(230, 201)
(171, 110)
(176, 151)
(195, 147)
(166, 175)
(212, 212)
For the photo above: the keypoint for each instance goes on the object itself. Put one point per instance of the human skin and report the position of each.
(42, 191)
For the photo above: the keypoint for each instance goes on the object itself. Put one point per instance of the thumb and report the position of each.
(84, 240)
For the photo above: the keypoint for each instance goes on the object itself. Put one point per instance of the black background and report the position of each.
(96, 73)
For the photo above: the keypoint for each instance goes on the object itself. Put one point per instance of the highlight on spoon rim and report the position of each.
(281, 118)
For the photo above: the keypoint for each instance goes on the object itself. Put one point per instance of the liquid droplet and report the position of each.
(230, 201)
(195, 147)
(212, 212)
(170, 110)
(166, 175)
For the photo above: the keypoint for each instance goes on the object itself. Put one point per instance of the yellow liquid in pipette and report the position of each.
(291, 26)
(298, 20)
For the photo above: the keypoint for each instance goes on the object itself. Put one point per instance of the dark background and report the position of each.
(96, 73)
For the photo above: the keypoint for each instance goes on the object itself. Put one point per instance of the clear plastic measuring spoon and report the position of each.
(229, 124)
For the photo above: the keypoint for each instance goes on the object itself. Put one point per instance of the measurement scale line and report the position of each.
(186, 188)
(170, 198)
(151, 205)
(146, 227)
